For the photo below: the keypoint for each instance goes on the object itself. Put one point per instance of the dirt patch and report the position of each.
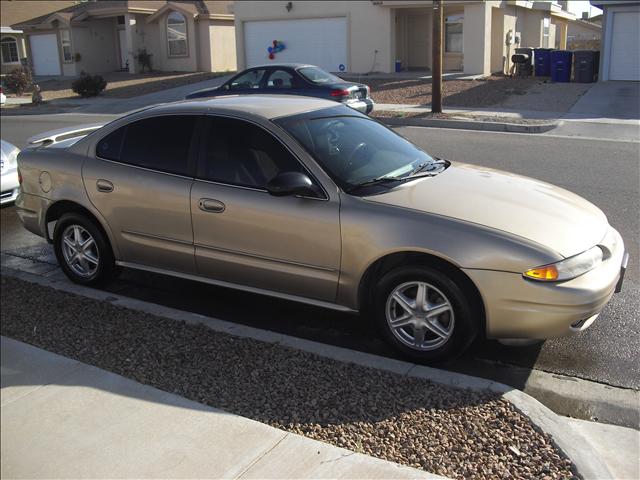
(449, 431)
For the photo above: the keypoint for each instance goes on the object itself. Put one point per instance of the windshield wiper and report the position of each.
(375, 181)
(424, 165)
(415, 173)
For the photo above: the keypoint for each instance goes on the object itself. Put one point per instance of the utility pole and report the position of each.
(436, 58)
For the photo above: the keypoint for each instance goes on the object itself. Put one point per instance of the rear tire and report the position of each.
(83, 250)
(424, 314)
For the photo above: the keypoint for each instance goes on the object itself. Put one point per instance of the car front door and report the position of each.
(140, 181)
(244, 235)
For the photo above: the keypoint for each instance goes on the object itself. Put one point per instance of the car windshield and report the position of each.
(357, 151)
(317, 75)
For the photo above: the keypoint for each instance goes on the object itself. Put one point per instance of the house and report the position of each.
(367, 36)
(13, 50)
(103, 36)
(620, 44)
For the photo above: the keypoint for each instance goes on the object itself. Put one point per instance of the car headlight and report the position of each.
(568, 268)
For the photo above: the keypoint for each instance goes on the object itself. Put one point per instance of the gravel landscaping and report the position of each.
(452, 432)
(494, 91)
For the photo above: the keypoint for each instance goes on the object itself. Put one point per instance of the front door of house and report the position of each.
(122, 40)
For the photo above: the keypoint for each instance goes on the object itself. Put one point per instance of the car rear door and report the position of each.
(140, 180)
(245, 236)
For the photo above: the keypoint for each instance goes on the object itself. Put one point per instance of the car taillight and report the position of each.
(340, 92)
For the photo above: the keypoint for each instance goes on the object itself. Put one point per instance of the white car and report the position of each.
(9, 184)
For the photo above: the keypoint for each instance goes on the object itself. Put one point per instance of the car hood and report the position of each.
(522, 206)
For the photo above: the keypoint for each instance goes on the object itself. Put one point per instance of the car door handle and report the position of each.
(210, 205)
(104, 185)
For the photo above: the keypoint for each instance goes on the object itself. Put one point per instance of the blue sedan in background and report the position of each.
(293, 79)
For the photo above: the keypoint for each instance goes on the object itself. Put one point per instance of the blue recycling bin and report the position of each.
(561, 65)
(398, 66)
(542, 61)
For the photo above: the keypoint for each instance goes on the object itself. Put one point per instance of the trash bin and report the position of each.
(561, 65)
(542, 61)
(528, 68)
(584, 66)
(398, 66)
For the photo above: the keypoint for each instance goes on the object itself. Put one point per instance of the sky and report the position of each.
(578, 6)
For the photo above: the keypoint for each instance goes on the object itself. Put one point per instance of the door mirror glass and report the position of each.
(293, 183)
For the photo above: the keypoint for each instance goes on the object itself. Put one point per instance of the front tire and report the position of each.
(424, 314)
(83, 250)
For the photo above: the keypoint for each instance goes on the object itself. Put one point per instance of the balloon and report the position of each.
(269, 49)
(271, 56)
(275, 42)
(282, 47)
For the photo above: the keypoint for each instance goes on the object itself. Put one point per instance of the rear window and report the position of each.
(158, 143)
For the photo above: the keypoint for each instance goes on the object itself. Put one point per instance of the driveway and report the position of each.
(608, 100)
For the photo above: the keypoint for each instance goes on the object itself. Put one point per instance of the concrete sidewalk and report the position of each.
(64, 419)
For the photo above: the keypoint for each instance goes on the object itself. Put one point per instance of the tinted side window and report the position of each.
(111, 145)
(250, 79)
(159, 143)
(240, 153)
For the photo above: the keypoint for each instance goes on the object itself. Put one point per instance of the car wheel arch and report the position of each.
(60, 207)
(381, 266)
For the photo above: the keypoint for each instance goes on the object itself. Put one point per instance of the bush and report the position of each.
(18, 80)
(89, 85)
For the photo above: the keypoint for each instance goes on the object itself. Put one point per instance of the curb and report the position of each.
(469, 124)
(586, 460)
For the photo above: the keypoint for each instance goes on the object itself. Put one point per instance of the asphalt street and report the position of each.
(605, 172)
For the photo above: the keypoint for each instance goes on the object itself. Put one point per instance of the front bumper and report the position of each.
(364, 105)
(519, 308)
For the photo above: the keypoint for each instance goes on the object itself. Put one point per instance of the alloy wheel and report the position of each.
(80, 251)
(420, 316)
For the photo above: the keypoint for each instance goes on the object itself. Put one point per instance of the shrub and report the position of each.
(88, 85)
(18, 80)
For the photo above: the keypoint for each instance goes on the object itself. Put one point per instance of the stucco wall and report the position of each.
(222, 39)
(97, 46)
(370, 28)
(477, 38)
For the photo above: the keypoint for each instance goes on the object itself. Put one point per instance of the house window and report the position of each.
(9, 50)
(177, 34)
(120, 19)
(65, 40)
(453, 33)
(546, 22)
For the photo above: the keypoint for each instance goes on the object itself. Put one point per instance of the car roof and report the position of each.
(266, 106)
(282, 65)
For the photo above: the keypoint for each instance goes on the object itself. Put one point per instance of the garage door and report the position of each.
(625, 46)
(318, 41)
(44, 54)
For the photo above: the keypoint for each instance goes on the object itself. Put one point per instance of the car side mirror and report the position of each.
(293, 183)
